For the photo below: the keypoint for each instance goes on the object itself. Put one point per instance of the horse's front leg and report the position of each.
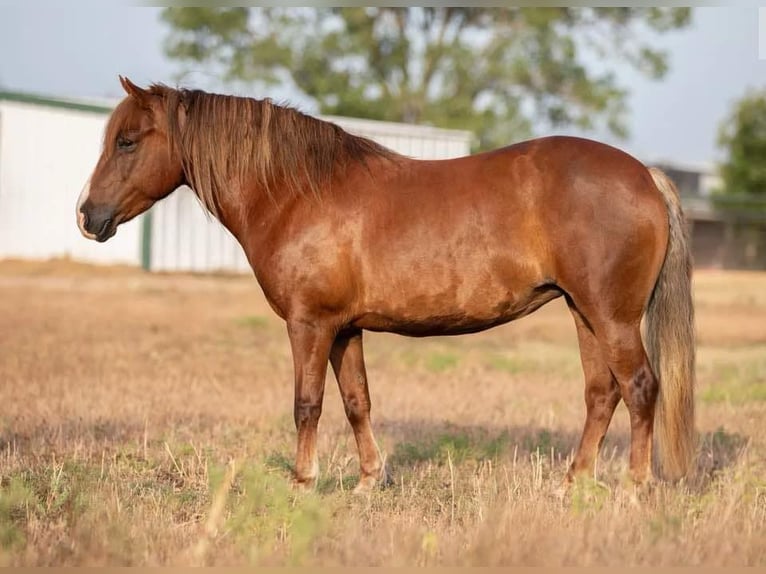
(347, 360)
(310, 344)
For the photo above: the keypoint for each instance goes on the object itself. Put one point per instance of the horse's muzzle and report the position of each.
(96, 222)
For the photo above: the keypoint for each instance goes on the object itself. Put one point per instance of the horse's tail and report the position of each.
(670, 342)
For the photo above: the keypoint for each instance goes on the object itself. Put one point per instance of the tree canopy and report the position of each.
(495, 71)
(742, 136)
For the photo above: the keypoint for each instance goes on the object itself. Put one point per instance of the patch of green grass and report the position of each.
(267, 517)
(542, 441)
(735, 377)
(328, 484)
(60, 490)
(738, 393)
(430, 357)
(588, 495)
(464, 446)
(494, 447)
(536, 358)
(16, 501)
(253, 321)
(410, 357)
(279, 461)
(441, 361)
(506, 363)
(52, 493)
(459, 446)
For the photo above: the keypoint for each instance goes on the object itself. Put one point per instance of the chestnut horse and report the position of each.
(345, 235)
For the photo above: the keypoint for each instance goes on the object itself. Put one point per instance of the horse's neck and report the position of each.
(252, 216)
(238, 210)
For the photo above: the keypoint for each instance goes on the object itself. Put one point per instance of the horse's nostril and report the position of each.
(105, 226)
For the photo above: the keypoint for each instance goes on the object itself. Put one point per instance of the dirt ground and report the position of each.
(147, 419)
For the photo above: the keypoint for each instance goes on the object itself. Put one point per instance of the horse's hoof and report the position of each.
(367, 483)
(304, 484)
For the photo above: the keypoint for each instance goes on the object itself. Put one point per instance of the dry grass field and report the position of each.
(147, 419)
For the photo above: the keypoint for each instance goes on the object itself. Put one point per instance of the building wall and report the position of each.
(49, 147)
(46, 156)
(728, 243)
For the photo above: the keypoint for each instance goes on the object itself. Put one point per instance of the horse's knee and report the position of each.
(306, 412)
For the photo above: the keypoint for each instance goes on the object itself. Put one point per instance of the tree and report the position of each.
(492, 71)
(742, 136)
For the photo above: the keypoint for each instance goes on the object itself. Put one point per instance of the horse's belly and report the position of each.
(463, 280)
(425, 315)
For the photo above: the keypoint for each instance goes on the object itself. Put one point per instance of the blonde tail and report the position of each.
(670, 342)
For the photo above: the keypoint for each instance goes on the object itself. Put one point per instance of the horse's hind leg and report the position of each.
(602, 394)
(624, 352)
(347, 361)
(619, 339)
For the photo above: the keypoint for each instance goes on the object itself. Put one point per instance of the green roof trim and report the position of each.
(35, 99)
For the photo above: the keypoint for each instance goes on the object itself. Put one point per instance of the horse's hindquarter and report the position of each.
(607, 225)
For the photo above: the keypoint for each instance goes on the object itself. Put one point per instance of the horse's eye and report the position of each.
(125, 144)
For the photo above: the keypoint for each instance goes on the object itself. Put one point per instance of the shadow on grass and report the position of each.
(46, 436)
(424, 442)
(717, 451)
(418, 442)
(106, 434)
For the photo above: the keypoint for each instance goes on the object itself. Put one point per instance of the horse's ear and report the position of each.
(134, 91)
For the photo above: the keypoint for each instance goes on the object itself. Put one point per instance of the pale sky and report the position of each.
(61, 49)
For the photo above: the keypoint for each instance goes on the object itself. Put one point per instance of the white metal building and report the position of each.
(48, 148)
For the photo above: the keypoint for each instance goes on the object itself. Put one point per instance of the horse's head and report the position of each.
(137, 166)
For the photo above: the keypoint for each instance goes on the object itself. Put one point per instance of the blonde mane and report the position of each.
(228, 138)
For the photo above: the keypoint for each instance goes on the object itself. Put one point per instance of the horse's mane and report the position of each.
(228, 139)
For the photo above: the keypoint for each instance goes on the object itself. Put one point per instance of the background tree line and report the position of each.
(504, 74)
